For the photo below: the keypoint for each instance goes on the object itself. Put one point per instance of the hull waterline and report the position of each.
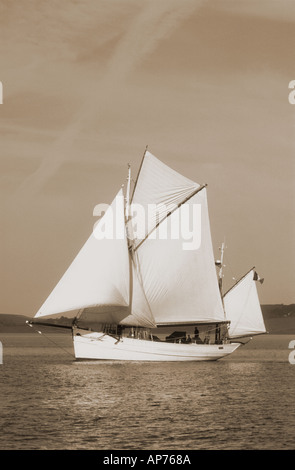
(100, 346)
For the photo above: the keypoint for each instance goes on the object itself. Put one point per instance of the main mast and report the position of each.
(128, 225)
(127, 197)
(220, 274)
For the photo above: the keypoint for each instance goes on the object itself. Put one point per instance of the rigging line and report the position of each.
(171, 212)
(130, 275)
(237, 282)
(77, 317)
(241, 342)
(49, 339)
(228, 265)
(211, 330)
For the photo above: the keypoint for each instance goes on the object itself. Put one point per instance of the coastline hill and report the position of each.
(278, 318)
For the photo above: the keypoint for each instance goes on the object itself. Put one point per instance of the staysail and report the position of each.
(243, 309)
(96, 286)
(99, 275)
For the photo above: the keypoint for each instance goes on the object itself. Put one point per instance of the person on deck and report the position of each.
(197, 337)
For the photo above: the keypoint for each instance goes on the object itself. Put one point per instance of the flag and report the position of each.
(256, 277)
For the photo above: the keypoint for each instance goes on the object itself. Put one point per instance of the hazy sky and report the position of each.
(88, 84)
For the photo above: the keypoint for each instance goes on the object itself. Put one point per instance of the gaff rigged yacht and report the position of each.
(141, 290)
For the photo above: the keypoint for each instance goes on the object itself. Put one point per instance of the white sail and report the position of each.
(158, 185)
(141, 314)
(98, 278)
(180, 283)
(243, 309)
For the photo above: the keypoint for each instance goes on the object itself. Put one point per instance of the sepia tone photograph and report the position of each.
(147, 307)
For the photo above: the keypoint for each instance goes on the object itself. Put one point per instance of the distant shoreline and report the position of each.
(279, 319)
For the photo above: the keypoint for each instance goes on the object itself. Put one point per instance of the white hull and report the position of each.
(100, 346)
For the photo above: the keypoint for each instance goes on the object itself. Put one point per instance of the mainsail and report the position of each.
(243, 309)
(179, 278)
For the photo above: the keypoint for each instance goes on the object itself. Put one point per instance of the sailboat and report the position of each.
(144, 286)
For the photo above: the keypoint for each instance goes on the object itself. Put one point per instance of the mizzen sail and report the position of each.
(243, 309)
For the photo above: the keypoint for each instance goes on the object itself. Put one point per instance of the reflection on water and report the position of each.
(50, 401)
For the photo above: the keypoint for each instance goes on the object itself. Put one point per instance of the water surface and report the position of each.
(50, 401)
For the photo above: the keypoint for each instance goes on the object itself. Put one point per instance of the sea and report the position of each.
(50, 401)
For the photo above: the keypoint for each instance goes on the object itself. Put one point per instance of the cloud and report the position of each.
(155, 22)
(150, 24)
(278, 10)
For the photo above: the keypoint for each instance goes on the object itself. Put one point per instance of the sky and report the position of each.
(88, 84)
